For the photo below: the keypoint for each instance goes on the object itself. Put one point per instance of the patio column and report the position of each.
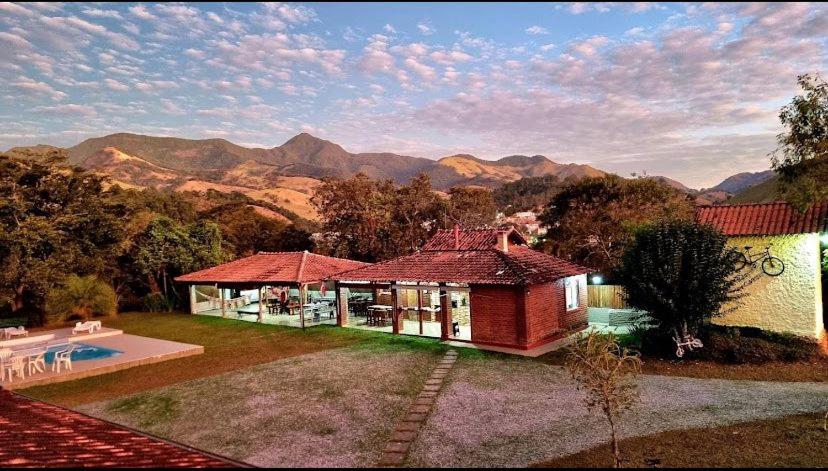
(420, 309)
(341, 306)
(221, 297)
(302, 305)
(445, 313)
(192, 299)
(395, 318)
(261, 300)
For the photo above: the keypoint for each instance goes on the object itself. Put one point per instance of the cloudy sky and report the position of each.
(691, 91)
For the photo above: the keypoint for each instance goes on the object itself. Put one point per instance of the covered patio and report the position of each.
(282, 288)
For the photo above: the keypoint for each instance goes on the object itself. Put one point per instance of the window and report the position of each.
(572, 286)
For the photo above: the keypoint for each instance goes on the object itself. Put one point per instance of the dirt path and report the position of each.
(502, 412)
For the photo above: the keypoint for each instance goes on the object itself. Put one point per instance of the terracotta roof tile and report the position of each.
(273, 267)
(520, 266)
(36, 434)
(470, 239)
(764, 218)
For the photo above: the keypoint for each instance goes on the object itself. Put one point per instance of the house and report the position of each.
(253, 288)
(484, 287)
(787, 297)
(40, 435)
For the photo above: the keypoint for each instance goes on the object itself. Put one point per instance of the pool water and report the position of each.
(83, 352)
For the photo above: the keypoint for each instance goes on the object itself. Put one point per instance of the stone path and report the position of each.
(407, 431)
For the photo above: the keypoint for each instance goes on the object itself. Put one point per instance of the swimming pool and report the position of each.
(83, 352)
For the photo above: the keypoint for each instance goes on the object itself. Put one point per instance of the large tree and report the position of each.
(54, 220)
(471, 207)
(593, 220)
(801, 158)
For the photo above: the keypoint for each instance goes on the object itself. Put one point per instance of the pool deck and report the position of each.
(136, 350)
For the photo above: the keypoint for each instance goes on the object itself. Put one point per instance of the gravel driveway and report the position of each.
(514, 412)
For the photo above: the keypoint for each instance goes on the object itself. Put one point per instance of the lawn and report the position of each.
(330, 408)
(229, 345)
(794, 441)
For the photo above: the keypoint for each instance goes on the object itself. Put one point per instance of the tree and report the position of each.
(471, 207)
(801, 157)
(682, 275)
(593, 220)
(53, 218)
(82, 296)
(607, 373)
(166, 249)
(527, 193)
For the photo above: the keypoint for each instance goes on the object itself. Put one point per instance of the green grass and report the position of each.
(229, 345)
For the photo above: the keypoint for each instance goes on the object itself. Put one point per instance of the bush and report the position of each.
(80, 297)
(157, 302)
(754, 346)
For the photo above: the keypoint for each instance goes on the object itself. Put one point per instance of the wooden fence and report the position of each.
(611, 296)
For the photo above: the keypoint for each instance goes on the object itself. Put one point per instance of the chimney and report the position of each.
(457, 237)
(503, 241)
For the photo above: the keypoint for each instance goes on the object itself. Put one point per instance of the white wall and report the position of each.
(790, 302)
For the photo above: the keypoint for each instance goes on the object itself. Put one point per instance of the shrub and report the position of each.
(754, 346)
(157, 302)
(80, 297)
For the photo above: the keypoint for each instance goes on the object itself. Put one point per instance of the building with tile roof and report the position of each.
(41, 435)
(244, 287)
(784, 247)
(483, 286)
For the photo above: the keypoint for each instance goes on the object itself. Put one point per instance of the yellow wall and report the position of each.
(790, 302)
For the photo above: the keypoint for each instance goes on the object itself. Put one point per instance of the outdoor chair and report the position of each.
(10, 332)
(63, 358)
(37, 361)
(5, 358)
(88, 327)
(17, 365)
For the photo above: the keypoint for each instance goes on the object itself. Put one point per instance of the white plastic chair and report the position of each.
(88, 326)
(63, 358)
(17, 365)
(5, 358)
(37, 361)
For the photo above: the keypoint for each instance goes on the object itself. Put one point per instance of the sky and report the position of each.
(689, 91)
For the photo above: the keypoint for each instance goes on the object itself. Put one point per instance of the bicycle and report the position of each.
(772, 266)
(689, 342)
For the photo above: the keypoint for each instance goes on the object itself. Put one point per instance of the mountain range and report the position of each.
(287, 175)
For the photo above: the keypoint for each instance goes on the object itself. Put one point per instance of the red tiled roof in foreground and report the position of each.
(519, 266)
(36, 434)
(273, 267)
(470, 239)
(764, 218)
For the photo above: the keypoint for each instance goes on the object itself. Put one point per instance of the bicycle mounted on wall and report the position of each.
(771, 266)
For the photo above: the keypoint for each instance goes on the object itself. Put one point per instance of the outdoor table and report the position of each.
(377, 313)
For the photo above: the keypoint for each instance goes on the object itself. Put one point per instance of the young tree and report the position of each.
(682, 275)
(82, 296)
(593, 220)
(801, 158)
(607, 373)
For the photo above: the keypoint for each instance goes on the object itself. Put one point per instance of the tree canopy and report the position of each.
(801, 158)
(592, 221)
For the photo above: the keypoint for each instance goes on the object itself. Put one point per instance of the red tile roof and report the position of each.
(764, 218)
(469, 239)
(36, 434)
(273, 267)
(520, 266)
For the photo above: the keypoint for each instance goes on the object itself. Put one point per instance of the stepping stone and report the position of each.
(424, 401)
(431, 387)
(419, 409)
(429, 394)
(413, 417)
(403, 435)
(409, 426)
(397, 447)
(434, 381)
(392, 459)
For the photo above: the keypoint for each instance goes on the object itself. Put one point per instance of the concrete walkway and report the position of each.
(515, 413)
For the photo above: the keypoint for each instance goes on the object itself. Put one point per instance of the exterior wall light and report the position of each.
(597, 279)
